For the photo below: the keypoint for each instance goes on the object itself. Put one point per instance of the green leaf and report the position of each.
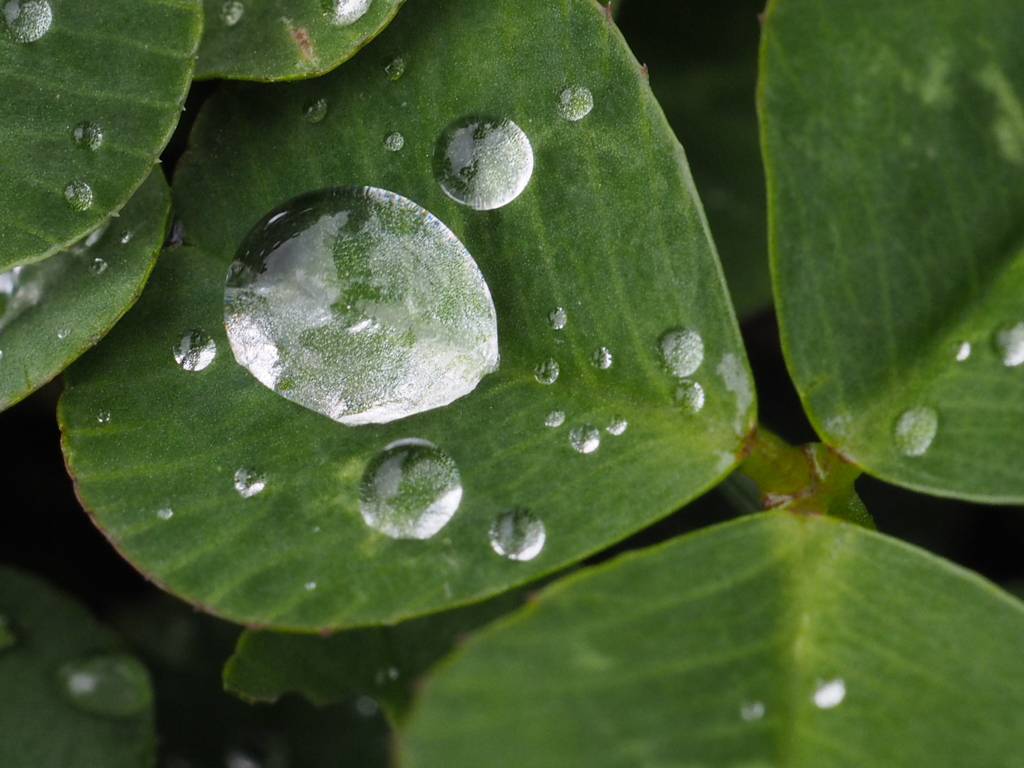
(287, 39)
(86, 110)
(775, 640)
(894, 142)
(608, 229)
(40, 723)
(52, 311)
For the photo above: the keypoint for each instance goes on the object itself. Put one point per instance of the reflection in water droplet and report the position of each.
(393, 142)
(682, 349)
(915, 430)
(315, 110)
(395, 68)
(88, 136)
(103, 417)
(360, 305)
(231, 12)
(341, 13)
(963, 351)
(546, 372)
(751, 710)
(310, 586)
(689, 396)
(830, 694)
(79, 196)
(558, 318)
(114, 685)
(410, 490)
(98, 266)
(165, 514)
(575, 103)
(585, 439)
(483, 162)
(195, 351)
(555, 419)
(518, 535)
(27, 20)
(249, 482)
(617, 426)
(601, 358)
(1009, 342)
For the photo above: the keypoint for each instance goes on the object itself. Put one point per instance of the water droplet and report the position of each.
(195, 350)
(88, 136)
(98, 266)
(518, 535)
(585, 439)
(231, 12)
(1009, 341)
(546, 372)
(366, 707)
(393, 142)
(315, 110)
(63, 333)
(751, 711)
(689, 396)
(410, 490)
(126, 237)
(601, 358)
(682, 349)
(555, 419)
(360, 305)
(103, 417)
(310, 586)
(341, 13)
(617, 426)
(963, 351)
(575, 103)
(830, 694)
(558, 318)
(915, 430)
(165, 514)
(79, 196)
(113, 685)
(27, 20)
(249, 482)
(483, 162)
(395, 68)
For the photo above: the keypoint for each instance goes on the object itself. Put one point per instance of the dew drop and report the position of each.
(126, 237)
(113, 685)
(617, 426)
(341, 13)
(88, 136)
(410, 490)
(558, 318)
(103, 417)
(249, 482)
(555, 419)
(682, 349)
(751, 711)
(575, 103)
(165, 514)
(27, 20)
(963, 351)
(518, 535)
(98, 266)
(915, 430)
(395, 68)
(1009, 343)
(360, 305)
(315, 110)
(830, 694)
(63, 333)
(310, 586)
(689, 396)
(601, 358)
(546, 372)
(483, 162)
(585, 439)
(79, 196)
(393, 142)
(195, 350)
(231, 12)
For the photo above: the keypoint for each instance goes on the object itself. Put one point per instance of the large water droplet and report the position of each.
(27, 20)
(315, 110)
(555, 419)
(195, 350)
(79, 196)
(602, 358)
(575, 103)
(558, 318)
(341, 13)
(395, 68)
(1009, 342)
(410, 490)
(88, 136)
(518, 535)
(585, 439)
(830, 694)
(617, 426)
(393, 142)
(249, 482)
(231, 12)
(360, 305)
(113, 685)
(483, 162)
(915, 430)
(546, 372)
(689, 396)
(682, 349)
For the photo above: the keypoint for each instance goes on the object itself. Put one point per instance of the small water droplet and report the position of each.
(63, 333)
(103, 417)
(249, 482)
(1009, 343)
(341, 13)
(689, 396)
(165, 514)
(575, 103)
(395, 68)
(963, 351)
(195, 350)
(310, 586)
(751, 711)
(830, 694)
(483, 162)
(315, 110)
(88, 136)
(126, 237)
(518, 535)
(113, 685)
(410, 490)
(546, 372)
(682, 349)
(98, 266)
(585, 439)
(393, 142)
(79, 196)
(617, 426)
(601, 358)
(231, 12)
(558, 318)
(27, 20)
(555, 419)
(915, 430)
